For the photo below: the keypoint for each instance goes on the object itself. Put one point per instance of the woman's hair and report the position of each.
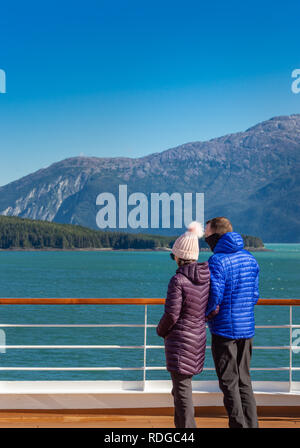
(182, 262)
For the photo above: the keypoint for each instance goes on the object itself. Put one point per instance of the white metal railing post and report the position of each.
(291, 351)
(145, 348)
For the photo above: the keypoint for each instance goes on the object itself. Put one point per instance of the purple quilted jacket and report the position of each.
(183, 322)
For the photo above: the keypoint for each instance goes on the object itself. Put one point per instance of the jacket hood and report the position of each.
(229, 242)
(196, 272)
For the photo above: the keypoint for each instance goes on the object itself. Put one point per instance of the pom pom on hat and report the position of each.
(186, 246)
(196, 228)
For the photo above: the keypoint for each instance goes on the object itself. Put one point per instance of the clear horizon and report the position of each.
(131, 79)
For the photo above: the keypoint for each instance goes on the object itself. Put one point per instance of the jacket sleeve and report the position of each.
(217, 286)
(256, 287)
(172, 308)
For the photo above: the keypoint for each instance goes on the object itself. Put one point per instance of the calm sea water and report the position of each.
(128, 275)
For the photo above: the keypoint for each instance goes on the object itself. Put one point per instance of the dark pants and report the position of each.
(232, 361)
(182, 393)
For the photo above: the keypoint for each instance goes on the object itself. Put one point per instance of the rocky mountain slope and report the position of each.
(252, 177)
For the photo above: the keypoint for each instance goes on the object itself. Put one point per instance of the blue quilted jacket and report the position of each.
(234, 278)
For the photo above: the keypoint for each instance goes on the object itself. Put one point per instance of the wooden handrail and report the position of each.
(289, 302)
(134, 301)
(88, 301)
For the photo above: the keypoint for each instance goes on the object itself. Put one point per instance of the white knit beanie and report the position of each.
(186, 246)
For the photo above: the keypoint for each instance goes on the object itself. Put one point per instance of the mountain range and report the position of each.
(252, 177)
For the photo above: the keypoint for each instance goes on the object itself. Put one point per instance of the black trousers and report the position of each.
(232, 362)
(182, 392)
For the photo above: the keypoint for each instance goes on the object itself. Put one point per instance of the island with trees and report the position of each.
(26, 234)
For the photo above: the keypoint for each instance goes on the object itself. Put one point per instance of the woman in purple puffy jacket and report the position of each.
(183, 323)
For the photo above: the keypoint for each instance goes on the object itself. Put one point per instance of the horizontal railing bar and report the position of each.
(271, 347)
(127, 368)
(71, 368)
(284, 302)
(269, 368)
(275, 326)
(119, 301)
(113, 326)
(42, 347)
(71, 325)
(279, 347)
(213, 368)
(71, 301)
(68, 346)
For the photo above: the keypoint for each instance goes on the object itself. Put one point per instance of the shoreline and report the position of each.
(110, 249)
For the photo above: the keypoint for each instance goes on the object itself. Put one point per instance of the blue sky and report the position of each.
(128, 78)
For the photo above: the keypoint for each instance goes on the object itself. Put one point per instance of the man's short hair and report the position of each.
(220, 225)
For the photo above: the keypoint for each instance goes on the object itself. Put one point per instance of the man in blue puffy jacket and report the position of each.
(234, 276)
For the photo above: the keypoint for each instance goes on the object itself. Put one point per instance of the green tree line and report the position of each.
(25, 233)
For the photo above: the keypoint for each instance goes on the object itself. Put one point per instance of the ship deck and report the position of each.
(135, 404)
(269, 417)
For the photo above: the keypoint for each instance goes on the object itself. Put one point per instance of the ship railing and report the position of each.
(143, 302)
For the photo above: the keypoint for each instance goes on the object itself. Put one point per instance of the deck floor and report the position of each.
(86, 419)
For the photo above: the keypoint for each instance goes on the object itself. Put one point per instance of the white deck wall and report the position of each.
(129, 394)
